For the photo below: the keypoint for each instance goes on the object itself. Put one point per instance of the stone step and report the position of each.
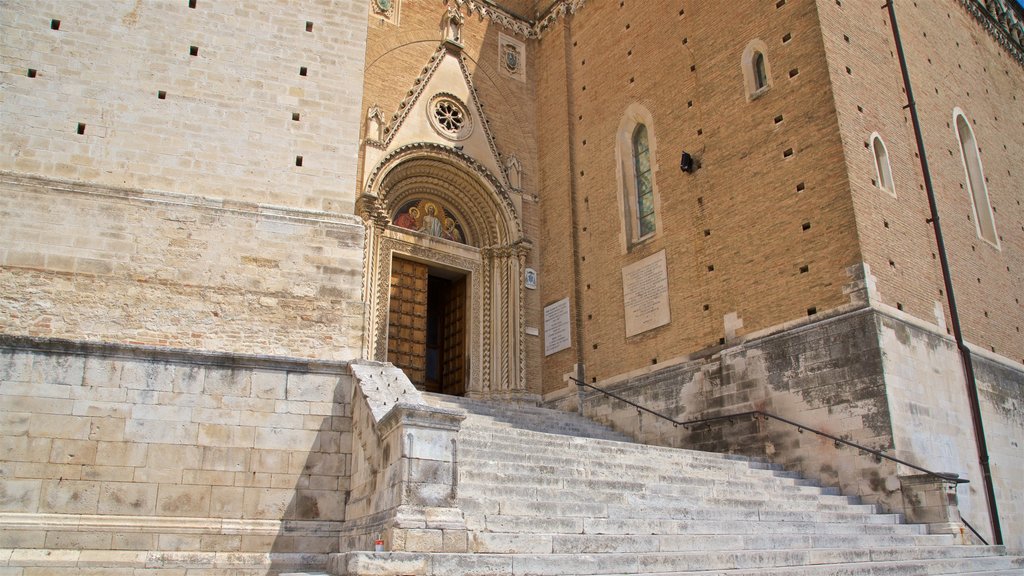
(617, 492)
(61, 562)
(472, 470)
(524, 417)
(619, 521)
(528, 441)
(515, 450)
(511, 539)
(596, 519)
(539, 463)
(911, 562)
(548, 493)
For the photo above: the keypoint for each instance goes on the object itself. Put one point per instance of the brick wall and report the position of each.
(953, 62)
(725, 258)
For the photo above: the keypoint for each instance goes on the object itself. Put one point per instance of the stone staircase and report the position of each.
(550, 493)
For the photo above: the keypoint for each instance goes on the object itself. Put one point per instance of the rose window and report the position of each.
(450, 117)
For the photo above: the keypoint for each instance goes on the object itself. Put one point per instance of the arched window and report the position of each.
(636, 154)
(644, 186)
(883, 170)
(757, 72)
(984, 220)
(760, 75)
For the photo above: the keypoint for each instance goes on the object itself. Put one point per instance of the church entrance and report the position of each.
(427, 319)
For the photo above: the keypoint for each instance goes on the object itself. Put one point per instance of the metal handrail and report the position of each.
(800, 428)
(971, 528)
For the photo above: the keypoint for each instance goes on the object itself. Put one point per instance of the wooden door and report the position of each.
(453, 366)
(407, 319)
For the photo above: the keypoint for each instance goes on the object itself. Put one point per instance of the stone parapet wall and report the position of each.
(114, 447)
(87, 262)
(879, 379)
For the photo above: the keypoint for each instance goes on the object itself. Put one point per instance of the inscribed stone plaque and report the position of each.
(556, 327)
(645, 294)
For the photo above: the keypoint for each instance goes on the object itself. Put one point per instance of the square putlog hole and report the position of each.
(193, 50)
(55, 24)
(81, 128)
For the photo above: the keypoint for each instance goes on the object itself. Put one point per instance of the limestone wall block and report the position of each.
(269, 384)
(317, 388)
(108, 473)
(58, 426)
(13, 424)
(64, 451)
(227, 436)
(226, 501)
(69, 497)
(179, 500)
(77, 540)
(160, 431)
(127, 498)
(38, 405)
(210, 478)
(20, 495)
(225, 382)
(285, 439)
(122, 453)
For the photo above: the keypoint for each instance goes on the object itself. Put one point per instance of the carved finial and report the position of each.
(453, 21)
(374, 124)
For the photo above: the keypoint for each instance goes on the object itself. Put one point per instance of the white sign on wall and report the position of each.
(645, 294)
(557, 335)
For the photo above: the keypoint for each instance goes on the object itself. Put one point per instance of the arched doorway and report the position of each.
(444, 263)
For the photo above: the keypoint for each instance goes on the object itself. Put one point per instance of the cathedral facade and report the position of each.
(212, 211)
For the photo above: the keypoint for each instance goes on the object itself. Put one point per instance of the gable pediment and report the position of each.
(443, 108)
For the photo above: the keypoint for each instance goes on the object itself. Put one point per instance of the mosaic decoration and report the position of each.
(430, 218)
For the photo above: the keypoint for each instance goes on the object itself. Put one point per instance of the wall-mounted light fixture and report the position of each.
(686, 163)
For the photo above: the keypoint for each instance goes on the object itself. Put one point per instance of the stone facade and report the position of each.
(199, 209)
(115, 447)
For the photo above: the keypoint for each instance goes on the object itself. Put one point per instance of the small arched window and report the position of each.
(760, 75)
(984, 220)
(757, 72)
(636, 156)
(644, 186)
(883, 170)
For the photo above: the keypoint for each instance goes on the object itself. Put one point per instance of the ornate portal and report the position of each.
(445, 262)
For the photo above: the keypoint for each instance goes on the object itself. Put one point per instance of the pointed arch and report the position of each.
(984, 219)
(757, 72)
(492, 261)
(636, 149)
(883, 169)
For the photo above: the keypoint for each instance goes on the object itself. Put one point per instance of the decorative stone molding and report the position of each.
(1002, 22)
(511, 57)
(387, 10)
(518, 24)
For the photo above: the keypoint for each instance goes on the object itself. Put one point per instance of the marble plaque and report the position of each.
(557, 335)
(645, 294)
